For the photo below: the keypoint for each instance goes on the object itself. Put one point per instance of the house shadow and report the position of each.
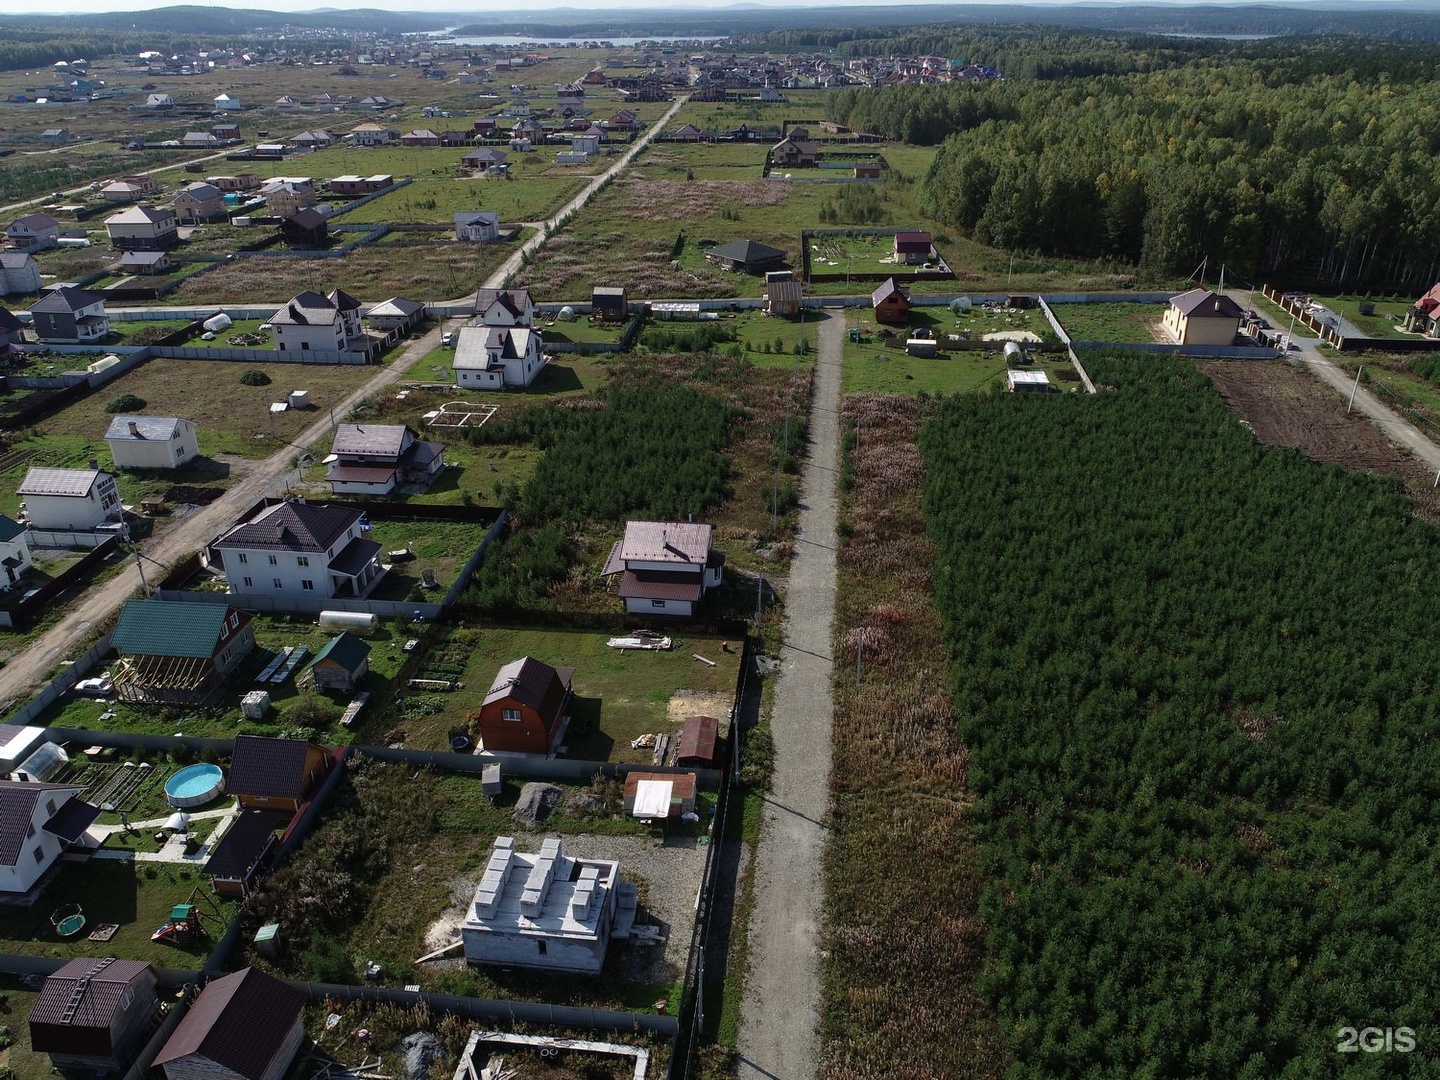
(584, 740)
(107, 891)
(554, 379)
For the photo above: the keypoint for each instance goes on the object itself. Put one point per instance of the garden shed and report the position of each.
(342, 664)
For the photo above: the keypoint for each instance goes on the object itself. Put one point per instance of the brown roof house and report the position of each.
(665, 567)
(891, 303)
(306, 228)
(527, 708)
(245, 1026)
(700, 743)
(375, 459)
(94, 1014)
(782, 293)
(747, 256)
(299, 549)
(275, 774)
(243, 855)
(1201, 317)
(912, 247)
(796, 150)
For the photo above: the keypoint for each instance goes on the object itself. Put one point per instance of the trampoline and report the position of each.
(68, 920)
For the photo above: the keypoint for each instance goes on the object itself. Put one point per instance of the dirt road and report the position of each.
(781, 1010)
(23, 674)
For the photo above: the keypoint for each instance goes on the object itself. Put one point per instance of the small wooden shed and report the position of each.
(342, 664)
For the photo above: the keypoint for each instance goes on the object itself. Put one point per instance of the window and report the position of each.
(249, 582)
(127, 998)
(510, 714)
(278, 583)
(542, 947)
(234, 622)
(274, 561)
(39, 855)
(307, 584)
(50, 807)
(657, 603)
(302, 560)
(304, 346)
(240, 556)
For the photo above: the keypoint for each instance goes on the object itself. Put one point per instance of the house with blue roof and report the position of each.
(178, 653)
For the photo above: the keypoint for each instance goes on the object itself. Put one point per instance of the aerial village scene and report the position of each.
(777, 551)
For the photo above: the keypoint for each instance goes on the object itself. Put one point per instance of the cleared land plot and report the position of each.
(1128, 323)
(619, 695)
(136, 896)
(566, 373)
(856, 253)
(436, 201)
(878, 369)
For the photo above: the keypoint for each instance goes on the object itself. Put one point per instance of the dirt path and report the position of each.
(1399, 431)
(780, 1012)
(23, 674)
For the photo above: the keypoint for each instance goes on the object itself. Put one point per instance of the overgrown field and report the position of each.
(1197, 681)
(904, 940)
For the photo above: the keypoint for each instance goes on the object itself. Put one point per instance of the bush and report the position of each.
(125, 403)
(255, 378)
(325, 961)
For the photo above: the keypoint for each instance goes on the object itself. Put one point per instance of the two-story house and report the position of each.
(199, 202)
(504, 307)
(311, 322)
(375, 459)
(33, 232)
(93, 1014)
(287, 196)
(371, 134)
(178, 653)
(300, 549)
(143, 228)
(497, 357)
(68, 315)
(37, 822)
(664, 567)
(69, 499)
(477, 226)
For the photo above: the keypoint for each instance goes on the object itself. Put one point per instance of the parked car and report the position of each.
(447, 340)
(96, 687)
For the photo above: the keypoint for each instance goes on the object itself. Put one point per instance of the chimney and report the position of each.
(279, 530)
(95, 464)
(134, 429)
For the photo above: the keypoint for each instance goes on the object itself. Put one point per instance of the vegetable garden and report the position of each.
(1197, 680)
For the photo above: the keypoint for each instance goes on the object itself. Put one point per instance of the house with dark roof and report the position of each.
(178, 653)
(275, 774)
(375, 459)
(199, 202)
(95, 1014)
(64, 499)
(245, 1026)
(310, 322)
(664, 567)
(700, 743)
(70, 316)
(37, 823)
(483, 159)
(608, 303)
(19, 273)
(12, 330)
(891, 303)
(747, 256)
(14, 551)
(245, 853)
(144, 262)
(306, 228)
(782, 293)
(33, 232)
(342, 664)
(795, 151)
(143, 228)
(152, 442)
(1202, 317)
(496, 357)
(300, 549)
(526, 709)
(504, 307)
(912, 247)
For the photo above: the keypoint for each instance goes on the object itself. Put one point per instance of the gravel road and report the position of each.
(780, 1012)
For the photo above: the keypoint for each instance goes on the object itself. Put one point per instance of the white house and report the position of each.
(665, 567)
(311, 322)
(14, 551)
(227, 103)
(70, 498)
(33, 232)
(152, 442)
(504, 307)
(159, 101)
(37, 821)
(375, 459)
(371, 134)
(19, 273)
(301, 550)
(477, 226)
(143, 228)
(497, 357)
(546, 910)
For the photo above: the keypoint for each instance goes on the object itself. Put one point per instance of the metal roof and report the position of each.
(66, 299)
(269, 768)
(244, 842)
(531, 682)
(169, 628)
(138, 215)
(292, 526)
(346, 649)
(146, 429)
(73, 482)
(105, 982)
(9, 529)
(18, 799)
(370, 440)
(660, 586)
(240, 1022)
(746, 252)
(354, 557)
(680, 542)
(1203, 304)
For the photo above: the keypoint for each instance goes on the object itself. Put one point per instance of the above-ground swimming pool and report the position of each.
(194, 785)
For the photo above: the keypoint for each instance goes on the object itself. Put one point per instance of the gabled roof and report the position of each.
(36, 222)
(395, 307)
(66, 299)
(76, 482)
(912, 241)
(292, 526)
(239, 1022)
(1203, 304)
(145, 428)
(678, 542)
(201, 191)
(887, 289)
(531, 682)
(104, 983)
(746, 252)
(345, 649)
(9, 321)
(343, 301)
(244, 842)
(169, 628)
(470, 217)
(370, 439)
(18, 799)
(514, 301)
(9, 529)
(308, 308)
(16, 260)
(270, 768)
(143, 258)
(142, 215)
(698, 738)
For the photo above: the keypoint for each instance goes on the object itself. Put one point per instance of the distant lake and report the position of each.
(516, 42)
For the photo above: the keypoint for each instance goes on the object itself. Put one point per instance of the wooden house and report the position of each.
(245, 1026)
(93, 1014)
(342, 664)
(275, 774)
(700, 744)
(891, 303)
(178, 653)
(527, 708)
(243, 855)
(609, 304)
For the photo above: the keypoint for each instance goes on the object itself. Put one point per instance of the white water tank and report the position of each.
(298, 399)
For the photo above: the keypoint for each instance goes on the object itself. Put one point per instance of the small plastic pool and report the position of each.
(194, 785)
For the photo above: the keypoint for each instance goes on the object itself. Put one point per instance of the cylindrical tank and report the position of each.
(357, 622)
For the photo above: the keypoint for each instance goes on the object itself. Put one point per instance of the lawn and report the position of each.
(855, 253)
(619, 695)
(566, 374)
(232, 418)
(1128, 323)
(432, 200)
(1384, 323)
(16, 1001)
(137, 896)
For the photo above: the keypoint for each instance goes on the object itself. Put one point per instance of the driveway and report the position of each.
(781, 1008)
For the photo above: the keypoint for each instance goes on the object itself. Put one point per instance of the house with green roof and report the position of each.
(178, 653)
(341, 664)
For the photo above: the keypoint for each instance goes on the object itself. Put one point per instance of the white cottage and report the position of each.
(665, 567)
(152, 442)
(301, 550)
(67, 499)
(497, 357)
(14, 551)
(37, 821)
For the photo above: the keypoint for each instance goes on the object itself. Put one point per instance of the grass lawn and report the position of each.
(618, 695)
(232, 418)
(16, 1001)
(1130, 323)
(567, 374)
(137, 896)
(582, 330)
(441, 546)
(1384, 323)
(432, 200)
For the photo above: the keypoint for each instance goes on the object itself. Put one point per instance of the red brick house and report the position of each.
(527, 708)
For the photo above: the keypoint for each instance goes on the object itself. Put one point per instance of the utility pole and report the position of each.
(140, 565)
(759, 597)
